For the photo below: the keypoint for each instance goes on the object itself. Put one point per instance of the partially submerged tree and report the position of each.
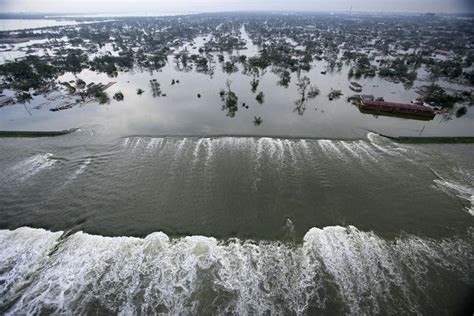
(257, 120)
(22, 96)
(155, 88)
(254, 84)
(285, 78)
(118, 96)
(230, 100)
(313, 92)
(334, 94)
(437, 96)
(300, 103)
(461, 111)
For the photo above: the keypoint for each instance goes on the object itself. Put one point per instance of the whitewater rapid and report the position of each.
(52, 272)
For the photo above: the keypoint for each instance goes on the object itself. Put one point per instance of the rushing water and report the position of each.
(292, 225)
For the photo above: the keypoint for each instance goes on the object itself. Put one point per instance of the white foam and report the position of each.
(259, 149)
(303, 144)
(126, 141)
(375, 139)
(181, 145)
(33, 165)
(462, 191)
(367, 150)
(280, 148)
(157, 274)
(154, 143)
(196, 150)
(210, 150)
(22, 252)
(367, 268)
(330, 148)
(290, 145)
(138, 140)
(352, 149)
(81, 168)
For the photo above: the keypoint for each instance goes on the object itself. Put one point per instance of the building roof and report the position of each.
(403, 106)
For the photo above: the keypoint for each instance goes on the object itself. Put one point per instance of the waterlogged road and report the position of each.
(143, 224)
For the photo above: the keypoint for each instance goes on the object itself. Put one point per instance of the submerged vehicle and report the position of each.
(354, 86)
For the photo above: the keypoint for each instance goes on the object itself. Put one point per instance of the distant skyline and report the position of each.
(151, 7)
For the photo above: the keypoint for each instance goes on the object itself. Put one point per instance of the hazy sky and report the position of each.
(151, 7)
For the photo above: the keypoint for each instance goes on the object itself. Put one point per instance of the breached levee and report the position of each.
(279, 150)
(335, 270)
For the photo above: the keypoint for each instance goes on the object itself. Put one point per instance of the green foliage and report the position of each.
(254, 85)
(285, 78)
(350, 74)
(313, 92)
(257, 120)
(461, 111)
(302, 84)
(446, 68)
(155, 88)
(105, 64)
(230, 101)
(230, 67)
(23, 96)
(118, 96)
(335, 94)
(437, 96)
(30, 72)
(74, 61)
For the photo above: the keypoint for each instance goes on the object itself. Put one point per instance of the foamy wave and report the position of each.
(462, 191)
(459, 182)
(384, 145)
(329, 147)
(22, 252)
(33, 165)
(280, 151)
(81, 168)
(197, 274)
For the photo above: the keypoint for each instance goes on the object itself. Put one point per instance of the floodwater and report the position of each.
(166, 205)
(23, 24)
(181, 112)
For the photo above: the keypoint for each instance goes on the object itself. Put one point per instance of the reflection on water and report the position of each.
(193, 106)
(16, 24)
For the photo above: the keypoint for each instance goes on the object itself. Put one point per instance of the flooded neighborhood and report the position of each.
(330, 67)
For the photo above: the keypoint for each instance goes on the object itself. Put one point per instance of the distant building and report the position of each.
(442, 52)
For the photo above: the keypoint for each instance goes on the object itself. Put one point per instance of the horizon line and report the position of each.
(169, 13)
